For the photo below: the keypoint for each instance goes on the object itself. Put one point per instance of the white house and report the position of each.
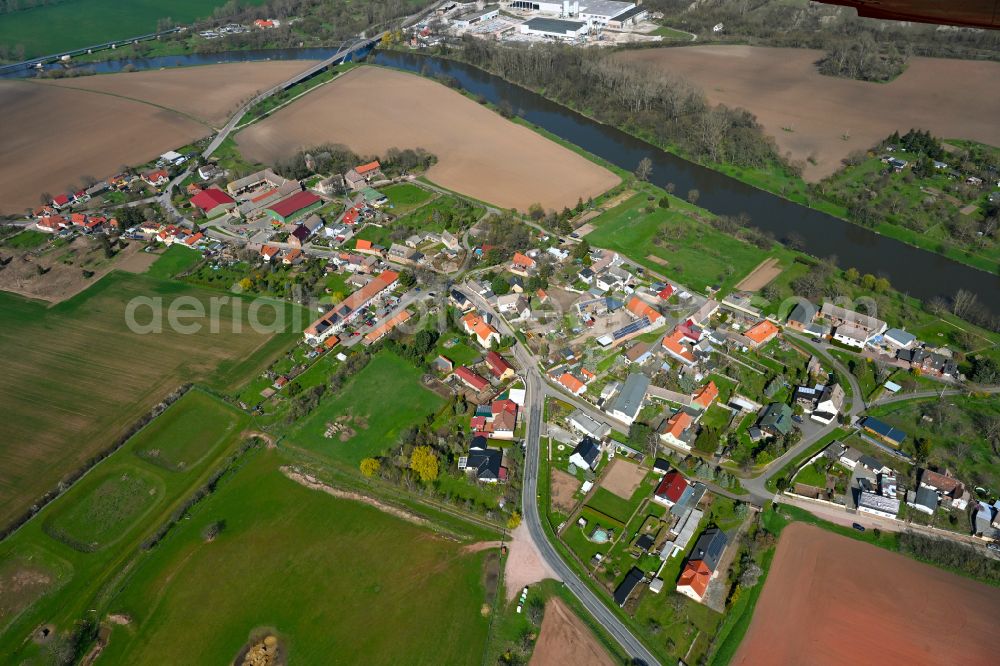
(587, 454)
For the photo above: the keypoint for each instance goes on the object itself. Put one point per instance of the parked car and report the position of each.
(860, 528)
(796, 418)
(994, 546)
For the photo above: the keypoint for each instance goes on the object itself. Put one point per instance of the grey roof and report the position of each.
(777, 416)
(926, 497)
(690, 498)
(557, 26)
(803, 312)
(588, 449)
(629, 399)
(870, 462)
(629, 13)
(900, 336)
(604, 7)
(709, 547)
(486, 462)
(624, 589)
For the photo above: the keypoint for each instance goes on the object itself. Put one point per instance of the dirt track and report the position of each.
(211, 93)
(783, 88)
(479, 153)
(761, 276)
(833, 600)
(564, 639)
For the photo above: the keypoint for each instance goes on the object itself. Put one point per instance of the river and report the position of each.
(913, 271)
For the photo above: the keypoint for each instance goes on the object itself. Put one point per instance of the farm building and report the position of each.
(293, 206)
(213, 201)
(883, 431)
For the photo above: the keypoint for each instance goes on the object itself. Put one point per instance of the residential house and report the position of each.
(849, 457)
(678, 346)
(585, 424)
(627, 404)
(571, 383)
(586, 454)
(522, 264)
(514, 304)
(157, 178)
(661, 467)
(370, 171)
(472, 379)
(486, 335)
(639, 353)
(354, 180)
(677, 431)
(628, 584)
(899, 339)
(761, 333)
(503, 418)
(450, 241)
(776, 419)
(347, 310)
(878, 505)
(702, 565)
(924, 500)
(852, 326)
(671, 489)
(400, 254)
(499, 367)
(987, 522)
(269, 252)
(705, 396)
(586, 275)
(459, 300)
(484, 463)
(640, 309)
(948, 488)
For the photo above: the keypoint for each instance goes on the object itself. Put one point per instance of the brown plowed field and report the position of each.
(833, 600)
(564, 639)
(211, 93)
(54, 136)
(951, 98)
(479, 153)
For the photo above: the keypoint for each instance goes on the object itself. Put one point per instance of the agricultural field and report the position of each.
(393, 577)
(56, 563)
(666, 241)
(62, 26)
(373, 409)
(404, 197)
(480, 154)
(209, 93)
(962, 433)
(86, 377)
(819, 120)
(811, 564)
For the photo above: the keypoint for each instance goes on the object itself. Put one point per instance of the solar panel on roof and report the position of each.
(634, 327)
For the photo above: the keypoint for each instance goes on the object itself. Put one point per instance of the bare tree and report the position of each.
(644, 169)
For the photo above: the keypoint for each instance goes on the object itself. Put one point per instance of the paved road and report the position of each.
(535, 391)
(917, 395)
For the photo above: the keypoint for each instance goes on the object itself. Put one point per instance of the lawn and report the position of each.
(610, 504)
(26, 240)
(404, 197)
(460, 353)
(86, 376)
(382, 400)
(695, 254)
(362, 575)
(70, 25)
(716, 417)
(175, 259)
(110, 511)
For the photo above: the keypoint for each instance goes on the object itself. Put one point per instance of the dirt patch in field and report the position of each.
(479, 153)
(525, 565)
(809, 115)
(564, 486)
(622, 478)
(564, 639)
(64, 135)
(211, 93)
(829, 599)
(761, 276)
(313, 483)
(57, 274)
(657, 260)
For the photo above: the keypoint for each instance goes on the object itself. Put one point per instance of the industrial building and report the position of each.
(476, 16)
(554, 28)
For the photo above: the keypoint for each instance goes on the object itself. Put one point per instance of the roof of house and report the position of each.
(777, 416)
(709, 547)
(661, 465)
(486, 462)
(926, 497)
(482, 330)
(677, 424)
(522, 260)
(365, 168)
(498, 364)
(588, 449)
(863, 321)
(385, 327)
(269, 250)
(762, 331)
(633, 392)
(672, 486)
(355, 301)
(696, 575)
(672, 343)
(294, 203)
(210, 198)
(363, 244)
(641, 308)
(900, 336)
(944, 483)
(706, 395)
(637, 351)
(804, 312)
(571, 382)
(632, 578)
(470, 377)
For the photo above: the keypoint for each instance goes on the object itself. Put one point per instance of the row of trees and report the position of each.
(645, 100)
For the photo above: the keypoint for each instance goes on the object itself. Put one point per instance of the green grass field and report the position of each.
(111, 509)
(387, 395)
(361, 574)
(695, 254)
(178, 440)
(175, 259)
(404, 197)
(77, 376)
(72, 24)
(26, 240)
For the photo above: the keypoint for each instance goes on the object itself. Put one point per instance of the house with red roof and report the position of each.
(572, 384)
(370, 170)
(269, 252)
(471, 378)
(676, 345)
(157, 178)
(51, 223)
(522, 264)
(60, 201)
(641, 308)
(705, 396)
(294, 205)
(347, 310)
(703, 564)
(194, 239)
(761, 333)
(499, 366)
(674, 430)
(293, 256)
(671, 489)
(213, 202)
(485, 333)
(666, 292)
